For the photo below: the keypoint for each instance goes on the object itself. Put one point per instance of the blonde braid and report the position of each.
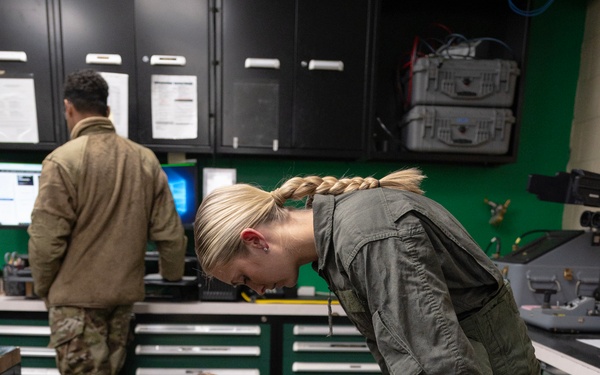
(298, 188)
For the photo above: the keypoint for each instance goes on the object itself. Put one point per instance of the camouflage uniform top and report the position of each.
(101, 198)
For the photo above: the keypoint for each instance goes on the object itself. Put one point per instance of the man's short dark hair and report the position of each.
(87, 91)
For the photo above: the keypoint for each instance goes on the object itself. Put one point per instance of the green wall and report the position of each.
(550, 83)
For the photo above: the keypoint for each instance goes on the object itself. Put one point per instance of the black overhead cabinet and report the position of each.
(295, 76)
(328, 79)
(99, 35)
(172, 47)
(27, 51)
(257, 68)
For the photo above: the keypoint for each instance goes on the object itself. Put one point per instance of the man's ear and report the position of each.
(254, 238)
(68, 105)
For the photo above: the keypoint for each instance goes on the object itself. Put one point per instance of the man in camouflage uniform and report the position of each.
(86, 351)
(101, 198)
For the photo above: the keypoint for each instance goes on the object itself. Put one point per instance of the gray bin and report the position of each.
(457, 129)
(461, 82)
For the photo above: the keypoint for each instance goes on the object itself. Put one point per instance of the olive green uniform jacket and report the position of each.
(418, 287)
(101, 198)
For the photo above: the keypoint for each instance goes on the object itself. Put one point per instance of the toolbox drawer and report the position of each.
(229, 348)
(308, 349)
(33, 343)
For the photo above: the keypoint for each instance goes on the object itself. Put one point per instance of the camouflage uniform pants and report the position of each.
(89, 341)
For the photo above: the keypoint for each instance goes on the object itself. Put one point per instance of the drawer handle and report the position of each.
(36, 351)
(308, 330)
(314, 346)
(334, 367)
(191, 371)
(198, 329)
(198, 350)
(25, 330)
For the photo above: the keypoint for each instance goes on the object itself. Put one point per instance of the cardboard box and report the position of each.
(10, 357)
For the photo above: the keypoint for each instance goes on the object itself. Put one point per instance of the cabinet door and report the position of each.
(26, 39)
(331, 75)
(257, 65)
(99, 35)
(172, 41)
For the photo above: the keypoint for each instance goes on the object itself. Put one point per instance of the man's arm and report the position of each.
(51, 222)
(167, 231)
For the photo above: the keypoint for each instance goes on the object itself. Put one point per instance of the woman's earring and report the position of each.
(266, 249)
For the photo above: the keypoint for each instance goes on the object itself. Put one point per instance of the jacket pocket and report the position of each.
(397, 355)
(66, 323)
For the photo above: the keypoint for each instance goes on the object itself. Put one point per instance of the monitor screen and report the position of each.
(19, 185)
(183, 181)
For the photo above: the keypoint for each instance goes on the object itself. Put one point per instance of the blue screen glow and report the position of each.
(183, 182)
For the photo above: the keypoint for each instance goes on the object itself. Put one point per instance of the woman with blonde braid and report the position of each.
(412, 280)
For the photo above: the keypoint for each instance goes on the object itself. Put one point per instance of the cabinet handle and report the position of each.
(334, 367)
(167, 60)
(253, 351)
(104, 59)
(261, 63)
(13, 56)
(326, 65)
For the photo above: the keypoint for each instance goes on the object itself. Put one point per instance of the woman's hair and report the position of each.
(226, 211)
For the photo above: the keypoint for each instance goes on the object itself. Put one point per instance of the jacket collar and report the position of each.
(92, 125)
(323, 208)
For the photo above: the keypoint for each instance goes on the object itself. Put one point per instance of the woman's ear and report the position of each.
(253, 238)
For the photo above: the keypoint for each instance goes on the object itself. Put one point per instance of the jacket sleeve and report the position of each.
(167, 231)
(416, 329)
(51, 223)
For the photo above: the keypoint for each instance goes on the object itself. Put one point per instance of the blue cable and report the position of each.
(531, 13)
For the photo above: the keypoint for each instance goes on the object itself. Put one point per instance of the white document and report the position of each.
(118, 101)
(18, 113)
(174, 107)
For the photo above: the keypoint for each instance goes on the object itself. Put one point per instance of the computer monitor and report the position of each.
(19, 185)
(183, 181)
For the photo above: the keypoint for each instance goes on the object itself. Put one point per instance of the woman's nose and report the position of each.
(257, 288)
